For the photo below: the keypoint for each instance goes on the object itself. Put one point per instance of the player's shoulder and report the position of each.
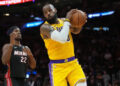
(6, 46)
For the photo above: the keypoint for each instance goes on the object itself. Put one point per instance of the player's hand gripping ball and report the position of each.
(77, 19)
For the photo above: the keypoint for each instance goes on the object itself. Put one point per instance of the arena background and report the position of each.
(97, 46)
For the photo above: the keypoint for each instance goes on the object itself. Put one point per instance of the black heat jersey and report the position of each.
(18, 63)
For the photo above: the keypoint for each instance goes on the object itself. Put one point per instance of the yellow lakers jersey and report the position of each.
(56, 50)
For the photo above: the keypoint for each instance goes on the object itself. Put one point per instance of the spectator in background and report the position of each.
(99, 80)
(107, 55)
(91, 81)
(106, 78)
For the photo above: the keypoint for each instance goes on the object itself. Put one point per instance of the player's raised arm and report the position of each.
(6, 53)
(7, 48)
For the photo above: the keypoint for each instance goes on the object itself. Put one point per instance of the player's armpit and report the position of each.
(46, 30)
(32, 62)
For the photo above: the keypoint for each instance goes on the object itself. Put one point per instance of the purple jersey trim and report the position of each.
(62, 60)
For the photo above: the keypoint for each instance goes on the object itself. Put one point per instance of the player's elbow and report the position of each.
(33, 66)
(3, 61)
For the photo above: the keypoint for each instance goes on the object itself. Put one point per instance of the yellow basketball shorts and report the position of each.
(66, 72)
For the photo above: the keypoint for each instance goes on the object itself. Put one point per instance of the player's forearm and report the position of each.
(32, 62)
(63, 34)
(7, 54)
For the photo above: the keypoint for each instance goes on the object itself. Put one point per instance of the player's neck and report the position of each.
(17, 43)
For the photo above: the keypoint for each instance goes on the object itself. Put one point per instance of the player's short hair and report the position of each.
(11, 29)
(46, 4)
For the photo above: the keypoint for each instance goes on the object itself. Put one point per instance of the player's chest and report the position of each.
(58, 27)
(19, 56)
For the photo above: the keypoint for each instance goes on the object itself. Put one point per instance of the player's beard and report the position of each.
(18, 39)
(53, 19)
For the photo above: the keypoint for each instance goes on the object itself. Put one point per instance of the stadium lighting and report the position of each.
(107, 13)
(39, 21)
(6, 14)
(11, 2)
(38, 18)
(93, 15)
(33, 24)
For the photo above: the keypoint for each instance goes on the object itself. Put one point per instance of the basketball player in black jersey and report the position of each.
(17, 57)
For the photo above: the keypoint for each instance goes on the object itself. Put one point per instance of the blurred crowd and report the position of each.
(98, 53)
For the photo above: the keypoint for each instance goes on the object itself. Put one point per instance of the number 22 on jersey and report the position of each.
(23, 59)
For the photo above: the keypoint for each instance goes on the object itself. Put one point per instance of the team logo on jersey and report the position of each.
(59, 28)
(15, 47)
(20, 53)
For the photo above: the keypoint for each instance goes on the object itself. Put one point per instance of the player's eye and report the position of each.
(45, 12)
(16, 31)
(50, 10)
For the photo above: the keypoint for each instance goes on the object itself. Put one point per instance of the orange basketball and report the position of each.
(78, 19)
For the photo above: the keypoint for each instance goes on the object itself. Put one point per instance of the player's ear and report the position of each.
(55, 10)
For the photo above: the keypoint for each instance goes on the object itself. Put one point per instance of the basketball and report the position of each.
(78, 18)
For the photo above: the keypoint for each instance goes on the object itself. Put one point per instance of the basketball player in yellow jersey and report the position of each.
(63, 66)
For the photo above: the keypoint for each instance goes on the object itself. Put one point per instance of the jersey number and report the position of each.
(24, 59)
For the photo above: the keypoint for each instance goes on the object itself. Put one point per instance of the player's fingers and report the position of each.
(73, 11)
(85, 14)
(69, 14)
